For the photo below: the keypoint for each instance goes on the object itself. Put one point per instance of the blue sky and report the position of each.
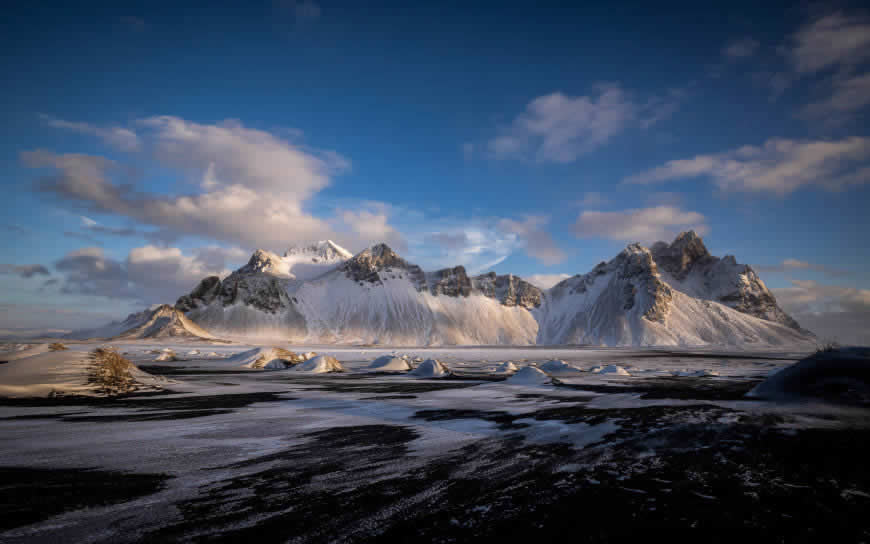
(148, 144)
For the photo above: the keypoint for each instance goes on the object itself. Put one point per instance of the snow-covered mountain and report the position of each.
(160, 321)
(373, 297)
(670, 294)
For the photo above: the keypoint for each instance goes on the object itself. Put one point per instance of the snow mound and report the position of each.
(431, 368)
(611, 369)
(320, 365)
(166, 355)
(841, 376)
(530, 375)
(266, 358)
(557, 366)
(193, 352)
(506, 367)
(388, 363)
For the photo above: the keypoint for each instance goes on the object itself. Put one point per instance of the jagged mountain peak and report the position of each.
(365, 265)
(681, 255)
(323, 249)
(671, 294)
(264, 260)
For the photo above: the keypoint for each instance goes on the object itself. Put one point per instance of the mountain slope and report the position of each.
(675, 294)
(672, 294)
(162, 321)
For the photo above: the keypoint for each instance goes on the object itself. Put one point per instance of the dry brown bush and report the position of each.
(57, 346)
(111, 371)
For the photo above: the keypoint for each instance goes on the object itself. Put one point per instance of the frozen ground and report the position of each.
(229, 452)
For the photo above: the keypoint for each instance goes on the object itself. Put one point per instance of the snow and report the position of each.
(611, 369)
(431, 368)
(506, 367)
(530, 375)
(166, 356)
(321, 364)
(309, 295)
(67, 372)
(557, 366)
(266, 358)
(388, 363)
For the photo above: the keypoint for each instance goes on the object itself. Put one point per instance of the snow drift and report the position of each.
(389, 363)
(321, 364)
(431, 368)
(530, 375)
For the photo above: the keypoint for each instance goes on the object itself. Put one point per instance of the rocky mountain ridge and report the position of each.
(669, 294)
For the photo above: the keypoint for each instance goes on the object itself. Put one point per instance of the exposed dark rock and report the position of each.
(202, 295)
(679, 257)
(451, 282)
(368, 265)
(508, 289)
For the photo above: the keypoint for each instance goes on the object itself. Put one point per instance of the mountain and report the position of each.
(372, 297)
(161, 321)
(673, 294)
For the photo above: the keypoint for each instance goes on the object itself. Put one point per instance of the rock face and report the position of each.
(508, 289)
(202, 295)
(371, 265)
(690, 268)
(451, 282)
(671, 294)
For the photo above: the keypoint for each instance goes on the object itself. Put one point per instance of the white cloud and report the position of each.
(740, 49)
(545, 281)
(847, 94)
(537, 243)
(149, 274)
(251, 187)
(559, 128)
(366, 227)
(791, 265)
(779, 166)
(643, 225)
(119, 137)
(832, 312)
(23, 270)
(478, 244)
(835, 41)
(834, 49)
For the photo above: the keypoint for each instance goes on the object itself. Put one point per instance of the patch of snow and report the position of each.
(431, 368)
(320, 365)
(529, 375)
(388, 363)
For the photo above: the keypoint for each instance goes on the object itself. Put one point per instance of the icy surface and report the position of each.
(389, 443)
